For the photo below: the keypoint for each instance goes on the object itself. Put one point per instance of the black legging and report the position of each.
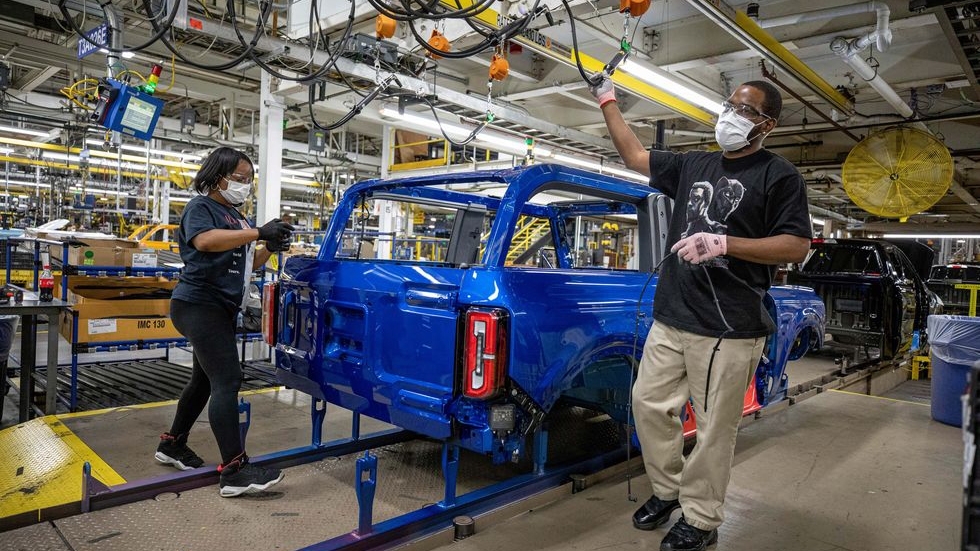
(217, 373)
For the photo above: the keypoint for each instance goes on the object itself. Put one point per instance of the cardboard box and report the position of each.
(119, 309)
(96, 252)
(94, 330)
(87, 288)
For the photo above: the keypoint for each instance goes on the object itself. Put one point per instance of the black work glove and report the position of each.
(275, 230)
(277, 245)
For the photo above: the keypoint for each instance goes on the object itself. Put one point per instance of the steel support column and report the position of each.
(270, 153)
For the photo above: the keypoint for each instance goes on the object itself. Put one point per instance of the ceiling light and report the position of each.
(297, 172)
(26, 131)
(578, 162)
(513, 144)
(506, 142)
(125, 55)
(6, 151)
(819, 221)
(422, 121)
(626, 174)
(931, 236)
(141, 149)
(665, 81)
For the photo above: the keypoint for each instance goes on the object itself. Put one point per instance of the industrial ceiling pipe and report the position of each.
(849, 55)
(882, 35)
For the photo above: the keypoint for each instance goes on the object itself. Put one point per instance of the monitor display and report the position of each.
(138, 115)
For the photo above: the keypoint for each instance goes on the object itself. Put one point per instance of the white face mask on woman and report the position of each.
(732, 131)
(236, 193)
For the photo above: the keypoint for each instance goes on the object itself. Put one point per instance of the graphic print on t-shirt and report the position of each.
(708, 209)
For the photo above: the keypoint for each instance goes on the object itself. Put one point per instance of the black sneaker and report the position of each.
(684, 537)
(241, 477)
(173, 450)
(653, 513)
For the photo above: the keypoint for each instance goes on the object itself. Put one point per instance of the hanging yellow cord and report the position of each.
(71, 92)
(130, 72)
(173, 73)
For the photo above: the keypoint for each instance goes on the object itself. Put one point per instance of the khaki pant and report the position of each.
(674, 367)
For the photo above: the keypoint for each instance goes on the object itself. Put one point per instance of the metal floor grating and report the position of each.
(125, 383)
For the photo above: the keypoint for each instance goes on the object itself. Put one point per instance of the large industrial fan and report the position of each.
(897, 172)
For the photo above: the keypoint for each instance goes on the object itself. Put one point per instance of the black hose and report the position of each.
(266, 9)
(81, 34)
(318, 74)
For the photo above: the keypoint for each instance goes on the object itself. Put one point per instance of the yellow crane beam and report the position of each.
(747, 31)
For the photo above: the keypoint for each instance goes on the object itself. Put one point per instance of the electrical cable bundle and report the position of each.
(408, 11)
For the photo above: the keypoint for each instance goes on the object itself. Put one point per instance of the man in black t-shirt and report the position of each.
(745, 210)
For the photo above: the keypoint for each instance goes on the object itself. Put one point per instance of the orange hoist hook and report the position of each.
(499, 67)
(384, 26)
(439, 42)
(635, 7)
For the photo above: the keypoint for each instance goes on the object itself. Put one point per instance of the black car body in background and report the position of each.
(873, 294)
(943, 280)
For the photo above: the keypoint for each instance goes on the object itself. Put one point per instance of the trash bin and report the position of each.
(955, 347)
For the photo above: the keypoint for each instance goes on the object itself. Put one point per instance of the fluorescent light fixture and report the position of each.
(626, 174)
(486, 137)
(297, 172)
(297, 181)
(287, 207)
(424, 122)
(597, 167)
(158, 152)
(6, 151)
(94, 161)
(513, 144)
(663, 80)
(578, 162)
(819, 221)
(932, 236)
(125, 55)
(26, 131)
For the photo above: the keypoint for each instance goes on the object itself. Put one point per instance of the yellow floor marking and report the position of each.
(155, 404)
(880, 397)
(41, 466)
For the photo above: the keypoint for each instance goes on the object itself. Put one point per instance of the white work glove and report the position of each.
(604, 92)
(701, 247)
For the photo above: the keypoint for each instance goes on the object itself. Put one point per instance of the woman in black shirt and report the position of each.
(218, 248)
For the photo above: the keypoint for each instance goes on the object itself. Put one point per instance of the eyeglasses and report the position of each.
(240, 178)
(743, 110)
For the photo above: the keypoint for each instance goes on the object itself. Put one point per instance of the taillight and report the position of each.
(270, 312)
(484, 353)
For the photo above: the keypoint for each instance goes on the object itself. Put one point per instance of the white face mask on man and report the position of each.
(732, 131)
(237, 192)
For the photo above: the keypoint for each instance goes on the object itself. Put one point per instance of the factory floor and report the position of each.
(839, 471)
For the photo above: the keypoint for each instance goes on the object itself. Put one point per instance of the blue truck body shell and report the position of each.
(383, 337)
